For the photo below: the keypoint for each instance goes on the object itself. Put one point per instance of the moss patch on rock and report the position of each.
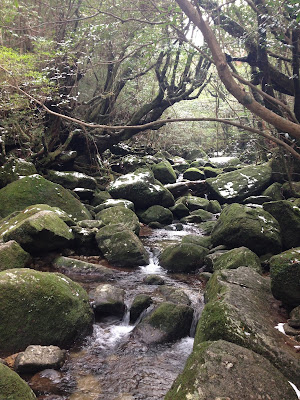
(41, 308)
(12, 256)
(35, 189)
(12, 387)
(238, 257)
(184, 257)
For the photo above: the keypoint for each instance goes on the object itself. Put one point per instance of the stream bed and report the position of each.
(113, 365)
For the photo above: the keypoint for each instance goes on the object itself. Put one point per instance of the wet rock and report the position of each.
(260, 200)
(198, 216)
(237, 185)
(35, 189)
(240, 309)
(290, 330)
(253, 228)
(207, 227)
(15, 168)
(108, 300)
(238, 257)
(90, 224)
(184, 257)
(156, 214)
(166, 323)
(294, 320)
(37, 231)
(288, 216)
(164, 172)
(178, 189)
(223, 370)
(285, 277)
(180, 210)
(72, 180)
(193, 174)
(100, 197)
(290, 190)
(84, 270)
(42, 308)
(203, 241)
(140, 303)
(84, 194)
(36, 358)
(214, 207)
(205, 276)
(121, 247)
(84, 239)
(211, 258)
(142, 189)
(114, 202)
(12, 256)
(47, 381)
(174, 295)
(224, 161)
(274, 191)
(153, 280)
(120, 215)
(194, 202)
(13, 387)
(211, 172)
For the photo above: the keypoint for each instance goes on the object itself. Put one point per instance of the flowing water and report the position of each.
(112, 365)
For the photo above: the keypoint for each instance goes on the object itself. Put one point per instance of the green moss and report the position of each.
(120, 215)
(164, 172)
(12, 387)
(183, 257)
(41, 308)
(12, 256)
(35, 189)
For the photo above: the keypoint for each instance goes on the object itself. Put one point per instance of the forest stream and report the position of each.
(111, 365)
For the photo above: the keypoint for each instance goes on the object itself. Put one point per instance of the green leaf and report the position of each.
(16, 4)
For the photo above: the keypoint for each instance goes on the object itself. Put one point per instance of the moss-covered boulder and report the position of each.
(174, 295)
(214, 207)
(142, 189)
(41, 308)
(204, 241)
(166, 323)
(198, 216)
(240, 309)
(15, 168)
(274, 191)
(113, 203)
(211, 172)
(255, 228)
(285, 277)
(12, 256)
(260, 200)
(237, 185)
(82, 270)
(156, 214)
(288, 216)
(140, 303)
(238, 257)
(35, 189)
(12, 387)
(121, 247)
(194, 202)
(164, 172)
(120, 215)
(184, 257)
(99, 197)
(193, 174)
(37, 231)
(180, 210)
(223, 370)
(72, 179)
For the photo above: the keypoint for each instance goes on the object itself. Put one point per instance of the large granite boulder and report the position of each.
(15, 168)
(82, 270)
(237, 185)
(142, 189)
(288, 216)
(183, 257)
(167, 322)
(108, 300)
(241, 309)
(238, 257)
(12, 256)
(120, 215)
(164, 172)
(12, 387)
(255, 228)
(72, 180)
(121, 247)
(41, 308)
(36, 230)
(224, 370)
(156, 214)
(37, 358)
(35, 189)
(285, 277)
